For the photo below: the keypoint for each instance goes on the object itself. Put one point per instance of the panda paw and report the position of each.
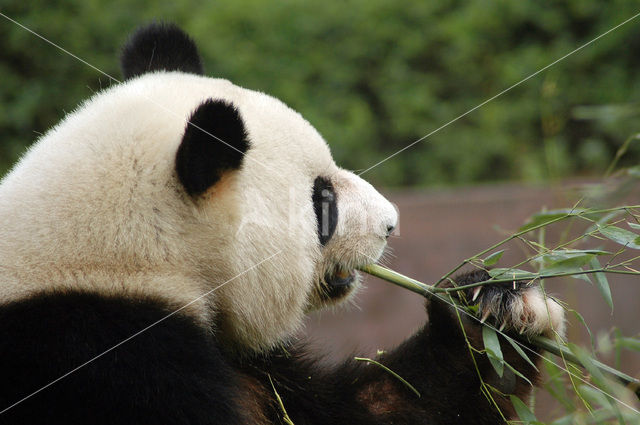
(514, 306)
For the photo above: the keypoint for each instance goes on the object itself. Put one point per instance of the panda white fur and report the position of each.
(179, 227)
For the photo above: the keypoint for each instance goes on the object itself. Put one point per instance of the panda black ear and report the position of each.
(159, 46)
(214, 142)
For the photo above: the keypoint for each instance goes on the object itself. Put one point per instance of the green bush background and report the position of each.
(371, 75)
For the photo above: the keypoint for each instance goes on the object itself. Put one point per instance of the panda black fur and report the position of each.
(161, 245)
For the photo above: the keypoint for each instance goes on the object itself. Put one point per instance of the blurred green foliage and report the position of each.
(371, 75)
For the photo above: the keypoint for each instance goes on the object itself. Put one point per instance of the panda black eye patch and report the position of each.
(326, 208)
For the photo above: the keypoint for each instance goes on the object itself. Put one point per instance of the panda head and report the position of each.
(195, 191)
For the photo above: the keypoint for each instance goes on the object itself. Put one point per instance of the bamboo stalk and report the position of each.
(537, 341)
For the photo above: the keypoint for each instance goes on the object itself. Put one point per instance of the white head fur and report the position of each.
(96, 205)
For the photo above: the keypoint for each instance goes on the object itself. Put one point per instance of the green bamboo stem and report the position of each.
(537, 341)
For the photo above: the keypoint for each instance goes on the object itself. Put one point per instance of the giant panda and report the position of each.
(160, 247)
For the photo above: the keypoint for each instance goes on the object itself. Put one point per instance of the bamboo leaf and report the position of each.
(516, 347)
(600, 416)
(602, 283)
(628, 343)
(555, 385)
(563, 254)
(581, 276)
(514, 370)
(617, 335)
(526, 416)
(497, 364)
(567, 261)
(621, 236)
(634, 225)
(584, 323)
(515, 274)
(571, 257)
(492, 346)
(587, 362)
(593, 396)
(604, 220)
(493, 258)
(596, 376)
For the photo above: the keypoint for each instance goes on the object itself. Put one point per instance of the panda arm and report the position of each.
(436, 361)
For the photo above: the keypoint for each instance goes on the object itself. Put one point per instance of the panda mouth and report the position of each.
(340, 278)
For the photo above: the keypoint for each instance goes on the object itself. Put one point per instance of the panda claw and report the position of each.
(476, 292)
(485, 316)
(504, 324)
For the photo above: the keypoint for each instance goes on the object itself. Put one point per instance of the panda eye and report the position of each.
(326, 208)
